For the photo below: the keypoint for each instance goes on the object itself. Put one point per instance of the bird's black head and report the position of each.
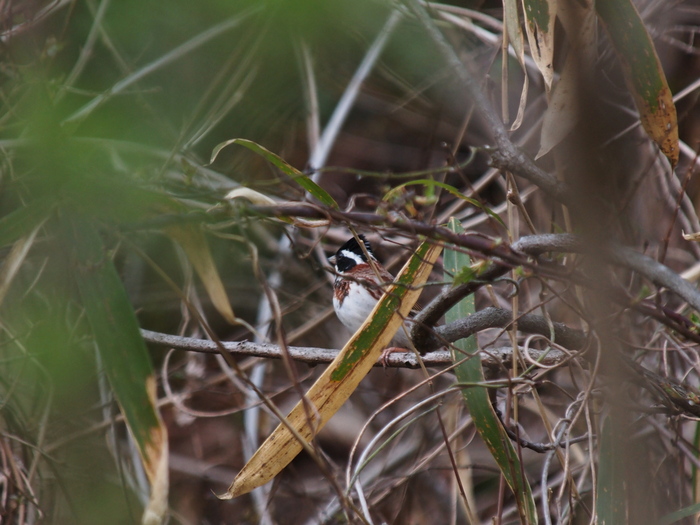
(350, 254)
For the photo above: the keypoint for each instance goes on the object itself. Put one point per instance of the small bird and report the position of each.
(358, 287)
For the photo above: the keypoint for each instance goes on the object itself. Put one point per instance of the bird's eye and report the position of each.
(345, 263)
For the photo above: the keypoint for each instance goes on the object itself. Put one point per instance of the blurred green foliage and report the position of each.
(109, 112)
(98, 116)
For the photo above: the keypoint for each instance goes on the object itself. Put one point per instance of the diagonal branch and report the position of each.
(498, 318)
(535, 245)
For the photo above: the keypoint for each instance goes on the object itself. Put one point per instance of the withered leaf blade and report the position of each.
(643, 73)
(340, 379)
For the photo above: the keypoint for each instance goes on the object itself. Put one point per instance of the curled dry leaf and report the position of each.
(253, 196)
(263, 200)
(155, 462)
(691, 236)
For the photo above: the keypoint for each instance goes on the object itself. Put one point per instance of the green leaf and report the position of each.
(612, 496)
(679, 514)
(123, 353)
(464, 275)
(13, 261)
(477, 399)
(302, 180)
(643, 73)
(23, 221)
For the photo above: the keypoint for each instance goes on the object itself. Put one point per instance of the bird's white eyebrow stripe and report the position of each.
(352, 255)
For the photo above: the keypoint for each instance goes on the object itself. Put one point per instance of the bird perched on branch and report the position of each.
(359, 284)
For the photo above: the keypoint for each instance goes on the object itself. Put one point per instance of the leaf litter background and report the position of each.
(110, 112)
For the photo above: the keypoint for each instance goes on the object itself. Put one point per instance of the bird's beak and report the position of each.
(331, 260)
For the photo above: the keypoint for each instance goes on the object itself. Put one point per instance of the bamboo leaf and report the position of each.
(341, 378)
(14, 260)
(23, 221)
(612, 496)
(685, 512)
(302, 180)
(124, 355)
(514, 30)
(539, 25)
(477, 399)
(643, 73)
(187, 47)
(511, 20)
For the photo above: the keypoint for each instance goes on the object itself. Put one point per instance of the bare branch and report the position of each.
(498, 318)
(647, 267)
(493, 359)
(520, 254)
